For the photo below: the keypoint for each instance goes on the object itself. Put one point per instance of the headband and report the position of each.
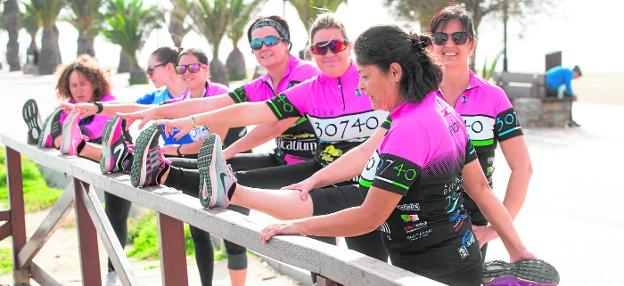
(275, 25)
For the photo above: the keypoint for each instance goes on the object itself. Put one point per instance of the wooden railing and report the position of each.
(332, 263)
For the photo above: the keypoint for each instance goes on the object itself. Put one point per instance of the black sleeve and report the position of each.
(239, 95)
(471, 153)
(395, 174)
(507, 125)
(282, 107)
(387, 123)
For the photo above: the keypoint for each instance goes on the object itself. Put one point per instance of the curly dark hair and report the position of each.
(88, 67)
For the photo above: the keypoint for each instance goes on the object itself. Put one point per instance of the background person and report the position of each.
(559, 79)
(489, 116)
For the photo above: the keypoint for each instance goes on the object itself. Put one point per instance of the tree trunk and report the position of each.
(218, 72)
(33, 51)
(85, 43)
(176, 25)
(50, 56)
(137, 74)
(235, 65)
(124, 63)
(12, 17)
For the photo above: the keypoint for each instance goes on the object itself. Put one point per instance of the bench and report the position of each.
(527, 93)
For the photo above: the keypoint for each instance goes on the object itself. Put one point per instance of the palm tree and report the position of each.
(210, 19)
(128, 25)
(87, 19)
(308, 10)
(31, 25)
(176, 24)
(47, 11)
(241, 13)
(11, 22)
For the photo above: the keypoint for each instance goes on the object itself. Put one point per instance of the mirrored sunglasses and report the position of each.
(336, 46)
(268, 41)
(193, 68)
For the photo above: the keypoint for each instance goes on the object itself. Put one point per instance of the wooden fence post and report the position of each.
(17, 219)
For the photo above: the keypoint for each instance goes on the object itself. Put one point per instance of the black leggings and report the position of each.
(326, 200)
(333, 199)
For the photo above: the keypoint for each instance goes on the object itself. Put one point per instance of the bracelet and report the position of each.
(194, 122)
(99, 106)
(178, 150)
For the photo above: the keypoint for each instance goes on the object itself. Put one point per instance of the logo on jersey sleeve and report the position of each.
(368, 174)
(282, 107)
(480, 129)
(507, 124)
(347, 127)
(239, 95)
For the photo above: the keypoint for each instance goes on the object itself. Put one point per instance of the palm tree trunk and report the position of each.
(11, 16)
(235, 65)
(85, 43)
(33, 51)
(137, 74)
(176, 25)
(124, 63)
(50, 56)
(218, 72)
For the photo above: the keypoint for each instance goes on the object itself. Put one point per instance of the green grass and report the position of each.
(6, 260)
(37, 194)
(143, 235)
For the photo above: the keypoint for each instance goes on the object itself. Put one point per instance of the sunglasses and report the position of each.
(193, 68)
(268, 41)
(459, 38)
(150, 70)
(336, 46)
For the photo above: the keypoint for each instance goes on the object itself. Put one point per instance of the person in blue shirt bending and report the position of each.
(559, 77)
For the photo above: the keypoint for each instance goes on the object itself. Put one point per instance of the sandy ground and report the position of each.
(571, 218)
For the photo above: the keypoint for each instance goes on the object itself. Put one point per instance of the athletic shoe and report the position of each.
(116, 148)
(530, 272)
(149, 163)
(215, 175)
(71, 136)
(30, 113)
(51, 129)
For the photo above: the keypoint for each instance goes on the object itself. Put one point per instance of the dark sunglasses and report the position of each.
(268, 41)
(150, 70)
(336, 46)
(459, 38)
(193, 68)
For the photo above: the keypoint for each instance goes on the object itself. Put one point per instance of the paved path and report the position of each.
(572, 216)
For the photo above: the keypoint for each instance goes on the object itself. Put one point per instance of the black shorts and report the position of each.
(442, 264)
(332, 199)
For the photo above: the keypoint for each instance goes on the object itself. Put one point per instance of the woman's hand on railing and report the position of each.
(285, 227)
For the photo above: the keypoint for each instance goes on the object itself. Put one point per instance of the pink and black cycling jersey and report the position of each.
(201, 132)
(421, 158)
(92, 126)
(342, 117)
(489, 118)
(298, 143)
